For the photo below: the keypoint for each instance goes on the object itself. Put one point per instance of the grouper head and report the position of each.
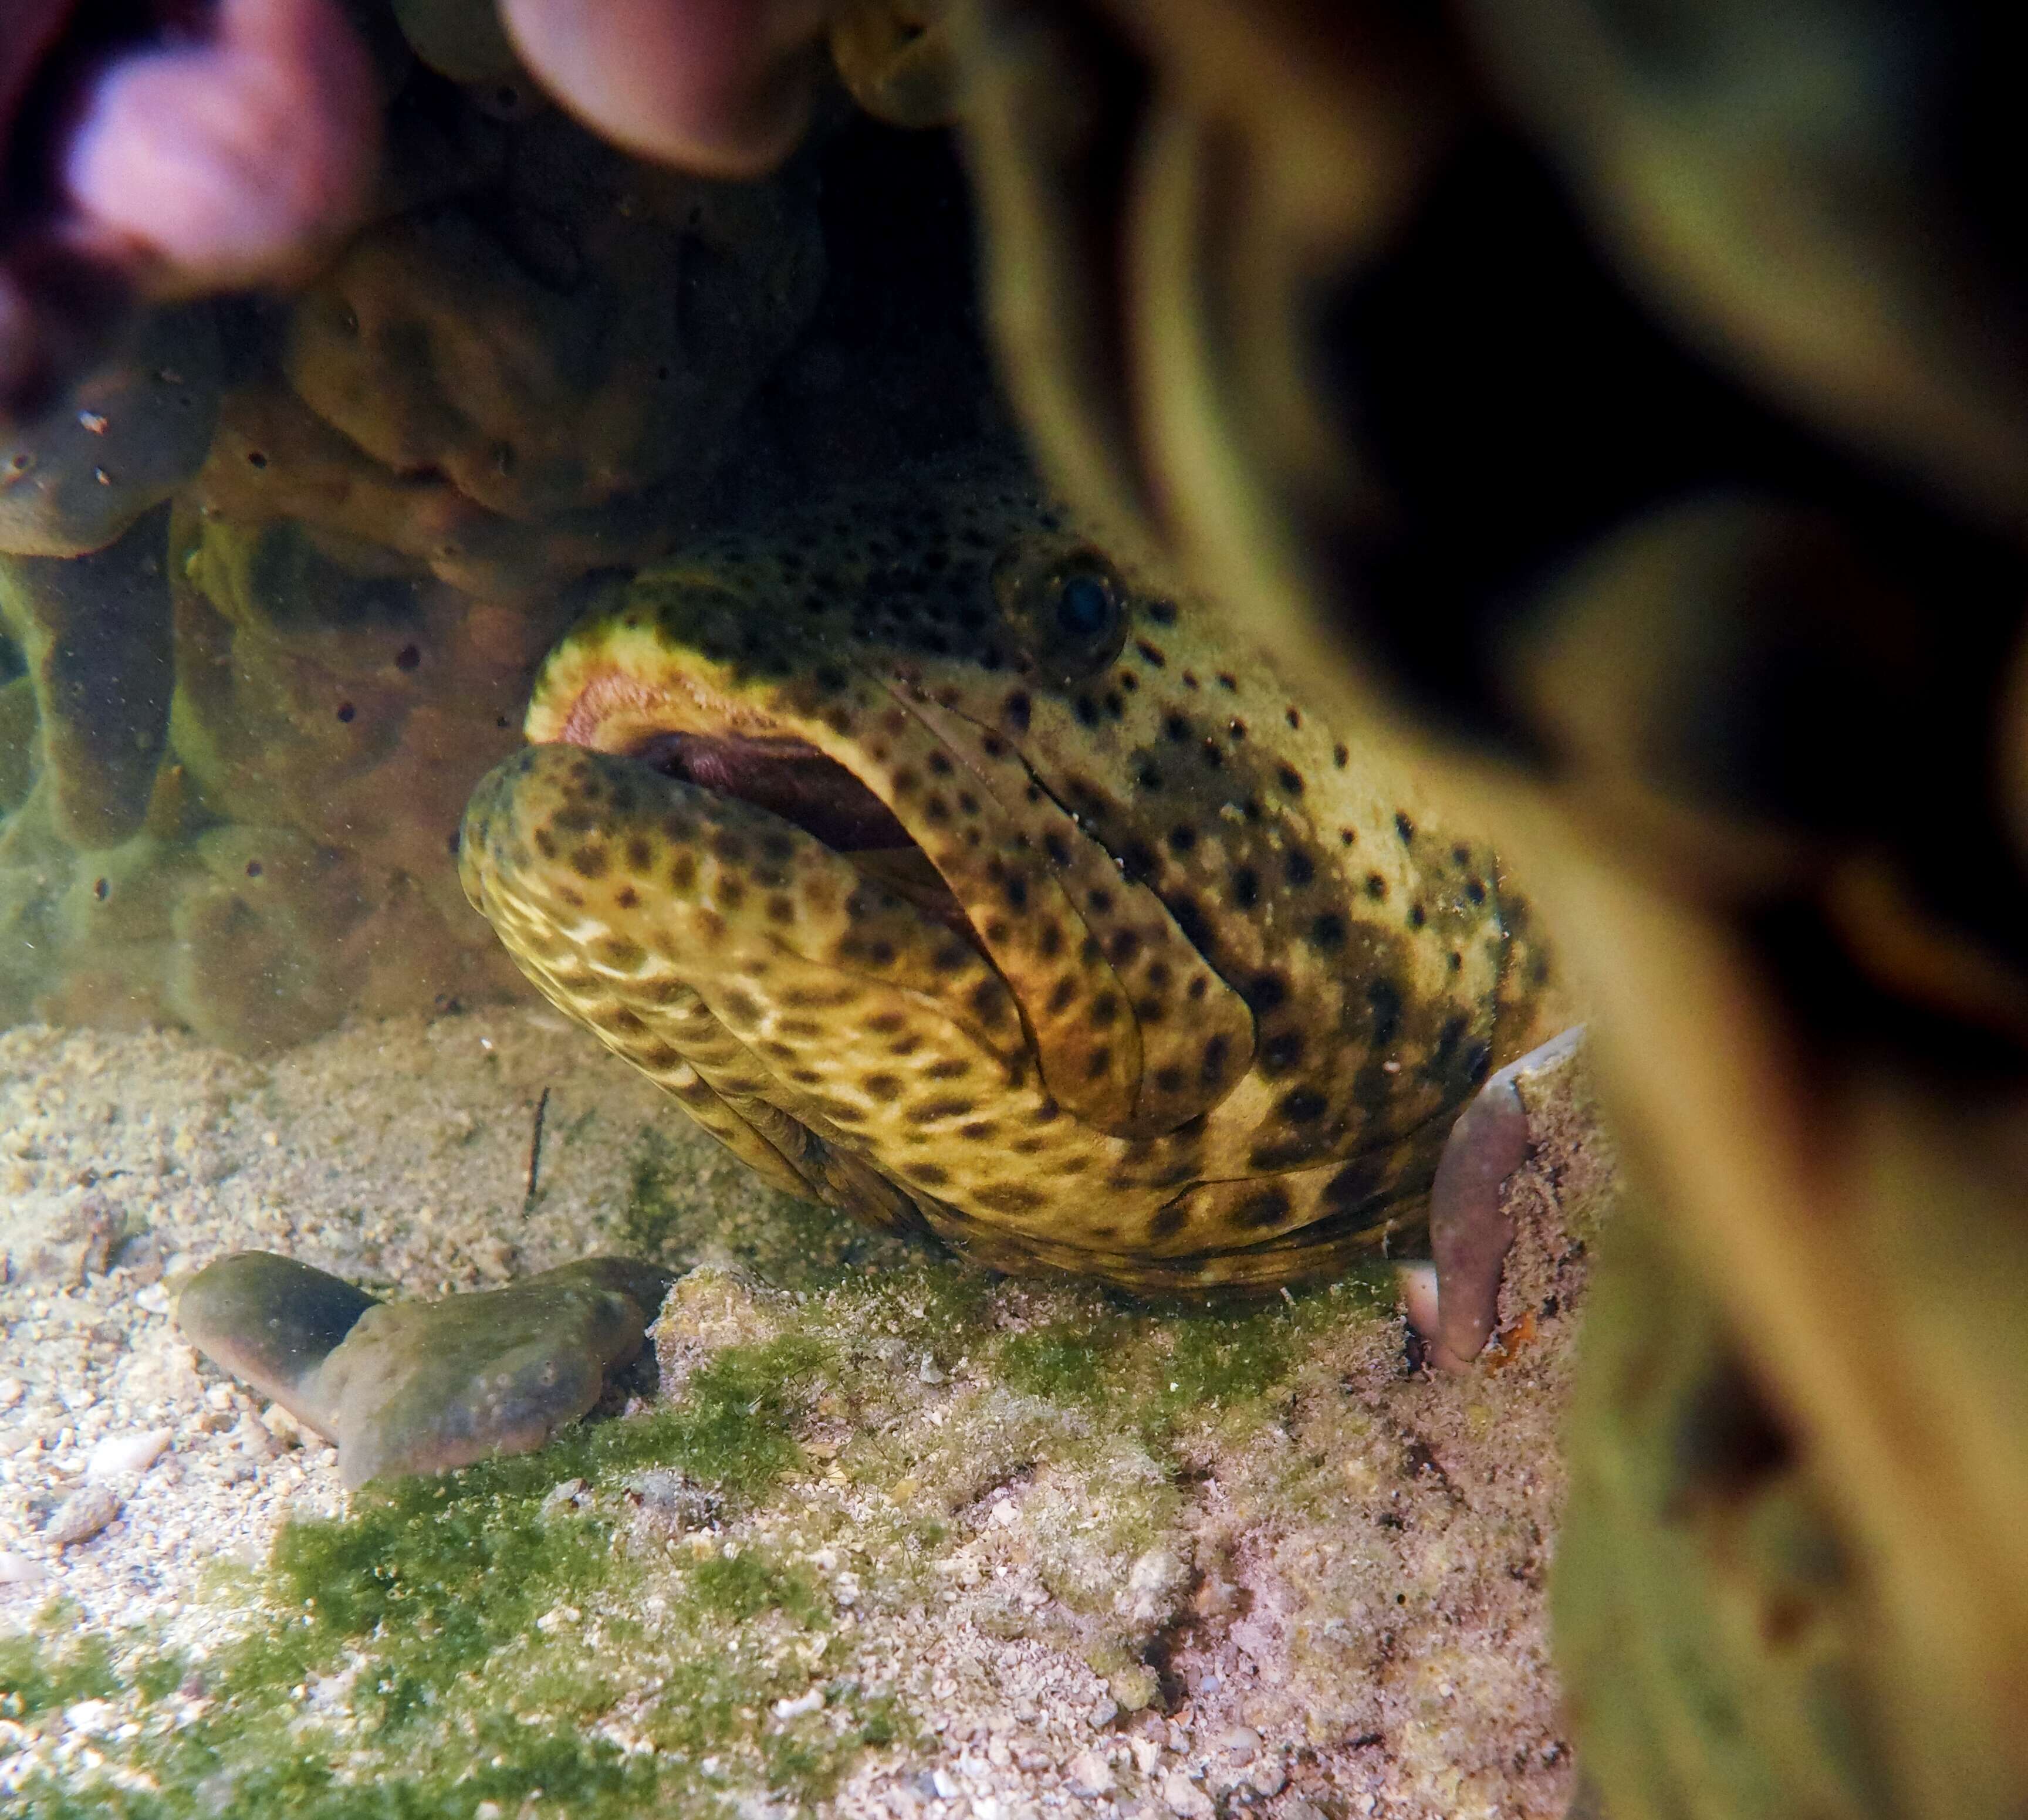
(947, 871)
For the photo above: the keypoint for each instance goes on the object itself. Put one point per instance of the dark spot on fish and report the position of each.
(1281, 1052)
(1167, 1221)
(1246, 887)
(1383, 999)
(1212, 1068)
(1010, 1197)
(1376, 887)
(1269, 1207)
(1016, 709)
(1264, 992)
(1192, 923)
(1287, 777)
(1301, 868)
(1327, 931)
(1356, 1182)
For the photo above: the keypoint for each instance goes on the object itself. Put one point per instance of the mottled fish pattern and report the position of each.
(946, 874)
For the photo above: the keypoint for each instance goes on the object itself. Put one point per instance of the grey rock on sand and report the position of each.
(422, 1387)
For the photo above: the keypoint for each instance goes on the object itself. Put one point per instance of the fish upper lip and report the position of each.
(617, 693)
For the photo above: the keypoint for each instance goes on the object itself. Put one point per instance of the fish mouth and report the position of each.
(641, 693)
(789, 778)
(786, 776)
(606, 694)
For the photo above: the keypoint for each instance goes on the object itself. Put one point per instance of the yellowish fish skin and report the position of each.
(1223, 977)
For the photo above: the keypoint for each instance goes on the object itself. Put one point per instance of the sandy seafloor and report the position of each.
(1072, 1555)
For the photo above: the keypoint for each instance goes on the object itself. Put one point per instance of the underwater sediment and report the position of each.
(888, 1533)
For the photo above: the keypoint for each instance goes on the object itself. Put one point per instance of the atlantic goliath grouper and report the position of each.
(945, 874)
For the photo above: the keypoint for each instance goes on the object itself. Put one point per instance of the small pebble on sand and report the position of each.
(131, 1451)
(83, 1514)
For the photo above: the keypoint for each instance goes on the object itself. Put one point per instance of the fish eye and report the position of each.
(1066, 609)
(1085, 608)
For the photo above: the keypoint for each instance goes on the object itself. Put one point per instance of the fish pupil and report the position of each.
(1084, 608)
